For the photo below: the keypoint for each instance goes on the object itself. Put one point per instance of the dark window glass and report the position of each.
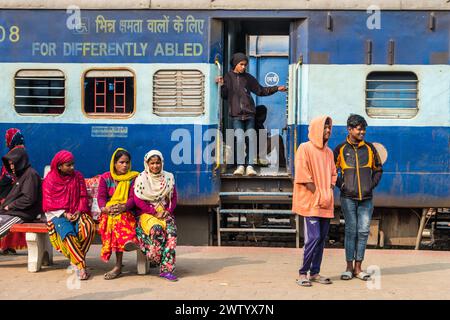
(109, 95)
(39, 94)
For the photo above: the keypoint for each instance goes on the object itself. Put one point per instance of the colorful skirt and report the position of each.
(15, 240)
(74, 245)
(115, 232)
(159, 244)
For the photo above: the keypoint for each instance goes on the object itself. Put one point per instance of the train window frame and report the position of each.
(392, 112)
(112, 70)
(40, 73)
(162, 113)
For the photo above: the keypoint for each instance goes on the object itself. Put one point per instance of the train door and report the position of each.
(266, 43)
(269, 63)
(259, 204)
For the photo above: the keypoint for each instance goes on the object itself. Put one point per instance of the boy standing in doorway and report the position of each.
(360, 172)
(315, 177)
(236, 87)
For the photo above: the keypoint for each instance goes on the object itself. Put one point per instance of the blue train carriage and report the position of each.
(142, 75)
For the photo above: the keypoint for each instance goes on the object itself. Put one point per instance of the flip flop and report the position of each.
(320, 279)
(346, 275)
(364, 276)
(83, 275)
(131, 246)
(304, 282)
(169, 276)
(111, 275)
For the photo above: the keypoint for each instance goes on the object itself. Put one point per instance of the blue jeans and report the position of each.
(242, 144)
(357, 215)
(316, 231)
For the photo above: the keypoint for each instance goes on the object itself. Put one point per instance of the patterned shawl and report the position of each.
(151, 187)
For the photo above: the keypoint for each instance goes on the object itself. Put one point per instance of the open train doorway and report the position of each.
(266, 44)
(257, 208)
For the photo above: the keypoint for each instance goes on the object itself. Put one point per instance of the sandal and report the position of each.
(11, 251)
(364, 276)
(112, 275)
(8, 251)
(347, 275)
(131, 246)
(304, 282)
(169, 276)
(83, 274)
(320, 279)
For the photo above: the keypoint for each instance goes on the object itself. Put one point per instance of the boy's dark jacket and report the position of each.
(25, 198)
(237, 89)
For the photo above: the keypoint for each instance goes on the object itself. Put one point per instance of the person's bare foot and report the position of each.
(350, 267)
(357, 269)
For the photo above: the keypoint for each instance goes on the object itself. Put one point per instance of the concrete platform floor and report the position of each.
(234, 273)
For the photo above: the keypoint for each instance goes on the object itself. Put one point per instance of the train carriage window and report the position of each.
(109, 93)
(392, 95)
(178, 93)
(39, 92)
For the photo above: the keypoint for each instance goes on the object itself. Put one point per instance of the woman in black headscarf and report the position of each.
(13, 241)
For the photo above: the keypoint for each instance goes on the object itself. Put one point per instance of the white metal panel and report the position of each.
(108, 73)
(178, 93)
(386, 97)
(39, 73)
(230, 4)
(144, 96)
(83, 4)
(338, 90)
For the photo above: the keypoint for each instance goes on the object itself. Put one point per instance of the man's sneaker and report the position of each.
(250, 171)
(239, 171)
(169, 276)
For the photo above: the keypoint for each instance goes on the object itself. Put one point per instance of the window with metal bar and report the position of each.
(178, 93)
(392, 95)
(39, 92)
(109, 93)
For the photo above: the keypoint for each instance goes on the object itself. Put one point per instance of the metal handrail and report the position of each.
(219, 120)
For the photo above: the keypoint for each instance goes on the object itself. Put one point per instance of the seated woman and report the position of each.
(65, 202)
(155, 198)
(13, 241)
(24, 202)
(117, 223)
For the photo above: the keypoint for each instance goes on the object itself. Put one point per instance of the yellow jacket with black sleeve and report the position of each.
(359, 169)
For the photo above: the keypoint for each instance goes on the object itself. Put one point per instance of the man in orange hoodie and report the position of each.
(315, 178)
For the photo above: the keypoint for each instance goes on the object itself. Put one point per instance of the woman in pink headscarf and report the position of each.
(65, 203)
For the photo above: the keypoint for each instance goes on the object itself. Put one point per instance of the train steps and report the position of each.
(258, 205)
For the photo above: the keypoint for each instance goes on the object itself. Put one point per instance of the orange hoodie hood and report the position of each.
(315, 130)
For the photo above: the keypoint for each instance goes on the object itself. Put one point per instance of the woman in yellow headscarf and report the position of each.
(117, 223)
